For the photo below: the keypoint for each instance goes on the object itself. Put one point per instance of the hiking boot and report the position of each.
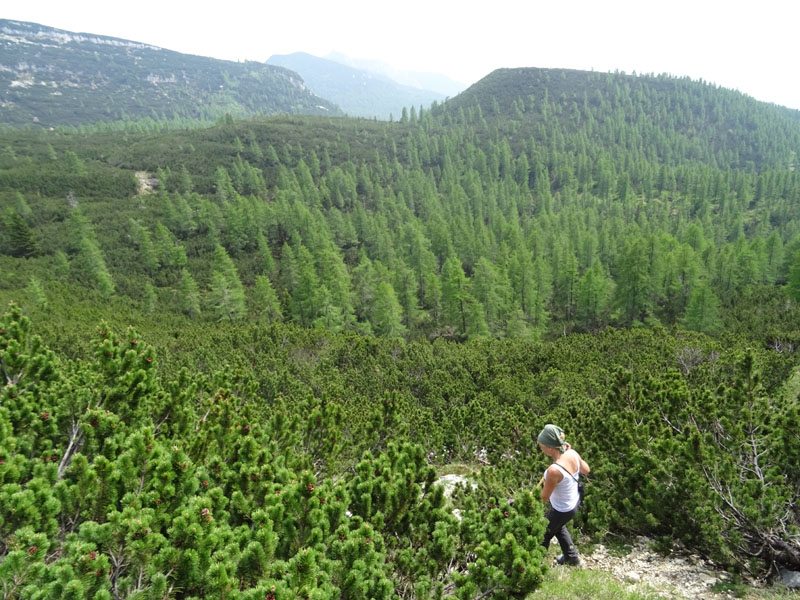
(572, 562)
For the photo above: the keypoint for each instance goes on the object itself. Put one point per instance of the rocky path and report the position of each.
(679, 576)
(146, 182)
(676, 576)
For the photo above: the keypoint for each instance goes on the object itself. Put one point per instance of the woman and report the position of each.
(561, 489)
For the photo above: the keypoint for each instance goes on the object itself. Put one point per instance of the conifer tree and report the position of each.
(170, 254)
(36, 290)
(266, 300)
(329, 316)
(74, 164)
(493, 292)
(189, 294)
(184, 182)
(333, 274)
(365, 287)
(22, 207)
(454, 294)
(150, 298)
(226, 295)
(60, 265)
(540, 292)
(265, 255)
(681, 273)
(406, 287)
(520, 274)
(78, 228)
(476, 319)
(793, 283)
(236, 225)
(184, 223)
(594, 294)
(633, 281)
(163, 176)
(774, 251)
(147, 251)
(387, 314)
(21, 239)
(305, 298)
(566, 284)
(702, 312)
(89, 266)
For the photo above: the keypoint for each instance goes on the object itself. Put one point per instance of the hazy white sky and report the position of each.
(751, 46)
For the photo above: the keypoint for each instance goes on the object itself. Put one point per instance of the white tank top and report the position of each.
(565, 495)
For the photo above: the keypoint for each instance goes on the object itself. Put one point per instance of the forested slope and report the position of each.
(653, 118)
(450, 223)
(430, 290)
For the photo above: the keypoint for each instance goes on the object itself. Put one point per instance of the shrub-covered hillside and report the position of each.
(286, 461)
(328, 308)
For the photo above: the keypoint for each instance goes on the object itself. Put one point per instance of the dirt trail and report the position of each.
(146, 182)
(677, 576)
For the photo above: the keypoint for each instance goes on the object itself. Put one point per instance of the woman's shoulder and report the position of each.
(570, 459)
(574, 453)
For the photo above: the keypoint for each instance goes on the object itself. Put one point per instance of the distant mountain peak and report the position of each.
(357, 91)
(431, 81)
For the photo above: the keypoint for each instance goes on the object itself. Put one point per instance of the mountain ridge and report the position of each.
(358, 92)
(648, 112)
(51, 77)
(436, 82)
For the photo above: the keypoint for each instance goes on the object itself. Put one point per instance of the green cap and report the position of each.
(552, 436)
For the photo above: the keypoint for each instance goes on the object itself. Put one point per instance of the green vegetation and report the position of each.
(348, 305)
(564, 584)
(577, 584)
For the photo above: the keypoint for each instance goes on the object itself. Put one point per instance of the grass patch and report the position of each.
(562, 583)
(751, 593)
(579, 584)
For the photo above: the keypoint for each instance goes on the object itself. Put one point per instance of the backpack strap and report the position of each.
(567, 472)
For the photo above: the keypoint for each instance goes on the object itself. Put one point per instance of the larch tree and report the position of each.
(21, 239)
(387, 313)
(144, 242)
(149, 298)
(633, 281)
(594, 294)
(407, 287)
(267, 262)
(305, 299)
(227, 294)
(328, 315)
(793, 283)
(702, 313)
(189, 294)
(89, 265)
(266, 300)
(37, 292)
(454, 293)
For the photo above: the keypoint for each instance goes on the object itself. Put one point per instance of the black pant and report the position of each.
(557, 526)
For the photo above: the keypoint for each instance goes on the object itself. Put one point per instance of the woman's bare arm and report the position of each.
(554, 475)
